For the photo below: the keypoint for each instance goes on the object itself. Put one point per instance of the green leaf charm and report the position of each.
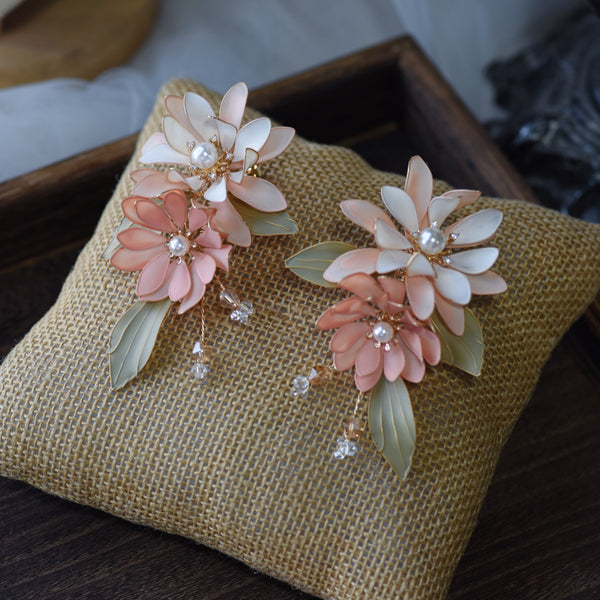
(312, 262)
(263, 223)
(133, 338)
(392, 424)
(115, 244)
(462, 351)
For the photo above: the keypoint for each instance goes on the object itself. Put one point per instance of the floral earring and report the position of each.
(205, 191)
(408, 304)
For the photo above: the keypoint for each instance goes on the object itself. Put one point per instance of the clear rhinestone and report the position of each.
(200, 370)
(345, 448)
(300, 386)
(243, 312)
(229, 299)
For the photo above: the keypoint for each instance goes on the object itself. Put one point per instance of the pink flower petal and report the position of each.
(411, 341)
(421, 296)
(177, 136)
(354, 304)
(200, 115)
(430, 344)
(226, 133)
(440, 208)
(487, 283)
(452, 314)
(252, 135)
(452, 285)
(475, 229)
(233, 104)
(396, 291)
(414, 367)
(474, 262)
(362, 285)
(163, 291)
(134, 260)
(366, 382)
(194, 295)
(220, 255)
(259, 193)
(209, 238)
(465, 197)
(343, 361)
(388, 237)
(227, 221)
(331, 319)
(156, 139)
(364, 214)
(153, 275)
(137, 238)
(204, 266)
(369, 359)
(128, 206)
(348, 335)
(153, 183)
(217, 192)
(401, 205)
(180, 282)
(419, 265)
(197, 218)
(363, 260)
(153, 217)
(390, 260)
(419, 186)
(175, 204)
(279, 139)
(393, 362)
(174, 105)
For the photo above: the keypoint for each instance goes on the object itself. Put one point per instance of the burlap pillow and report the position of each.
(239, 465)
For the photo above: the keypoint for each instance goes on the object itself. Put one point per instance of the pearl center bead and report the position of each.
(383, 332)
(179, 245)
(432, 241)
(204, 155)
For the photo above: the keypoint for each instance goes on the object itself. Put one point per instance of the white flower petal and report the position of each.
(174, 105)
(217, 192)
(364, 214)
(200, 115)
(236, 176)
(419, 265)
(474, 262)
(390, 260)
(234, 104)
(163, 154)
(419, 186)
(452, 285)
(487, 283)
(400, 204)
(388, 237)
(475, 229)
(177, 136)
(250, 158)
(226, 133)
(440, 208)
(252, 135)
(279, 139)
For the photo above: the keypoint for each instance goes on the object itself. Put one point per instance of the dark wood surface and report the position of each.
(538, 535)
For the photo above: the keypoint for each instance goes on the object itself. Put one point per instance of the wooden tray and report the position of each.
(539, 531)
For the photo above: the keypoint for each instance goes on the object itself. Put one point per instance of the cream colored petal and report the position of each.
(226, 133)
(419, 265)
(465, 197)
(279, 139)
(452, 285)
(487, 283)
(390, 260)
(179, 138)
(362, 260)
(474, 262)
(440, 208)
(388, 237)
(364, 214)
(200, 115)
(419, 186)
(252, 135)
(474, 229)
(400, 204)
(217, 192)
(233, 104)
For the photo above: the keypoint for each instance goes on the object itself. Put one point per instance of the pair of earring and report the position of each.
(408, 293)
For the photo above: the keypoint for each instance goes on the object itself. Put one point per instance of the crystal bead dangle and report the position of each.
(319, 375)
(241, 310)
(353, 428)
(200, 362)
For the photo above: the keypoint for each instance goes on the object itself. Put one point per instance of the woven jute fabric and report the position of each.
(238, 464)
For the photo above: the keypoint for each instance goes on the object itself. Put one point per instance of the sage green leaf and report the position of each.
(133, 338)
(312, 262)
(462, 351)
(115, 244)
(392, 424)
(264, 223)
